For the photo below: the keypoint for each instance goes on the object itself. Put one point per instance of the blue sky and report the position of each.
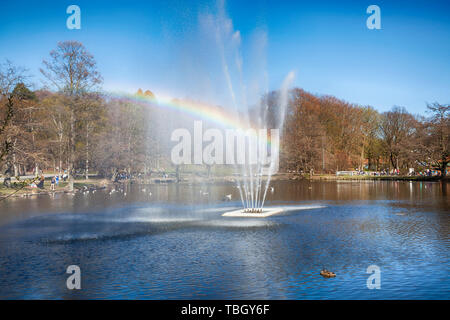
(171, 48)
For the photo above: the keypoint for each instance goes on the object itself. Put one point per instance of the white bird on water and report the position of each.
(272, 189)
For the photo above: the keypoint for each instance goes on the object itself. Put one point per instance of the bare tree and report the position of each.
(397, 130)
(303, 135)
(72, 70)
(435, 148)
(10, 76)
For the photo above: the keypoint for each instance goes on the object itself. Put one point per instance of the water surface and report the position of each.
(174, 243)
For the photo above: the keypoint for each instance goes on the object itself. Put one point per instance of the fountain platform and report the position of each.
(248, 213)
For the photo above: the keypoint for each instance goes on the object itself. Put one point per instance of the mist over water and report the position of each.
(241, 92)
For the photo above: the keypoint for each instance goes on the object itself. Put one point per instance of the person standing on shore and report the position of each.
(40, 185)
(53, 184)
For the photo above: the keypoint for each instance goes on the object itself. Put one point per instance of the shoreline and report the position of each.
(379, 178)
(101, 183)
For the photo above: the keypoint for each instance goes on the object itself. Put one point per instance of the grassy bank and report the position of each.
(379, 178)
(17, 190)
(96, 183)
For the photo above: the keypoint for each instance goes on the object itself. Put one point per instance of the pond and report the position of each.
(171, 242)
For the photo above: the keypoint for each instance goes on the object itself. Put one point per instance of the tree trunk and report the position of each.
(71, 149)
(130, 160)
(60, 152)
(392, 160)
(87, 152)
(444, 169)
(362, 155)
(16, 169)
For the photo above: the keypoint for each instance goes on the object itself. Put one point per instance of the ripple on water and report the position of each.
(173, 252)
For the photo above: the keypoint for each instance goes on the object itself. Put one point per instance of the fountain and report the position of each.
(254, 213)
(255, 192)
(245, 107)
(252, 186)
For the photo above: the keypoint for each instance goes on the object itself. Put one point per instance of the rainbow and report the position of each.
(196, 109)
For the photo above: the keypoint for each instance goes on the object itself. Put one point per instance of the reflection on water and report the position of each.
(175, 244)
